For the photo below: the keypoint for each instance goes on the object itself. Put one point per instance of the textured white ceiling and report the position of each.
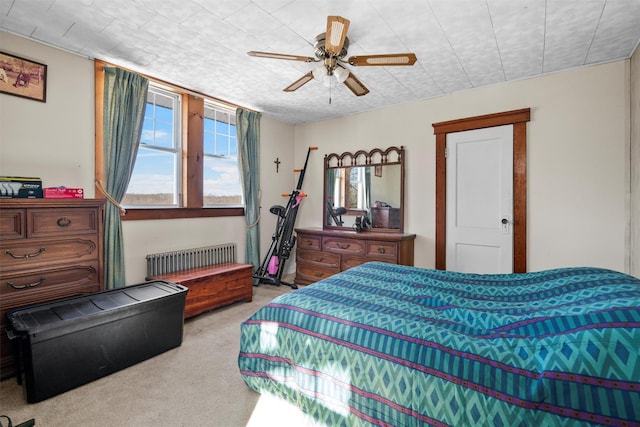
(460, 44)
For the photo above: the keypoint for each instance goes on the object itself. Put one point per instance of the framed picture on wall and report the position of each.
(23, 77)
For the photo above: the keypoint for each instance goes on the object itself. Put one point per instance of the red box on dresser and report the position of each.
(63, 193)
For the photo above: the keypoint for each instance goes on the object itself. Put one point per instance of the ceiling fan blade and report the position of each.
(355, 85)
(383, 60)
(282, 56)
(299, 83)
(337, 27)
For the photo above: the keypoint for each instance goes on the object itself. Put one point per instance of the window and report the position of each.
(351, 189)
(155, 180)
(221, 174)
(187, 161)
(177, 174)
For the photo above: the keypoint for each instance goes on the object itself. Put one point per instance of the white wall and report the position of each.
(577, 152)
(276, 142)
(55, 141)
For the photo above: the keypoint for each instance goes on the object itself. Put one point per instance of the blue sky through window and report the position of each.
(155, 174)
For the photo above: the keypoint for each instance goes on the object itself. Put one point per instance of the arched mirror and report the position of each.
(365, 190)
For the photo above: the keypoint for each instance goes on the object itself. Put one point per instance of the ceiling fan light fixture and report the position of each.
(319, 73)
(341, 74)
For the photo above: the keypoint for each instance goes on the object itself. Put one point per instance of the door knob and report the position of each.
(505, 225)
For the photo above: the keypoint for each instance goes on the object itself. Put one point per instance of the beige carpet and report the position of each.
(196, 384)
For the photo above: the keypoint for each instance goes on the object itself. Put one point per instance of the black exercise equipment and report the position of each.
(283, 240)
(335, 214)
(29, 423)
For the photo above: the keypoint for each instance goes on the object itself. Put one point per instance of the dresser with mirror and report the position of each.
(363, 216)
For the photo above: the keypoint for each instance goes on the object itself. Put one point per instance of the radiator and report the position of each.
(169, 262)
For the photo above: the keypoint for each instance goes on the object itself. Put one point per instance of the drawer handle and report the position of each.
(343, 246)
(309, 242)
(28, 285)
(381, 250)
(319, 260)
(318, 274)
(64, 222)
(33, 255)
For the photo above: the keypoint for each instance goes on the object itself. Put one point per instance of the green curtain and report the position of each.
(125, 95)
(248, 133)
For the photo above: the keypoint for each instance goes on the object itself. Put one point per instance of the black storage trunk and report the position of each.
(67, 343)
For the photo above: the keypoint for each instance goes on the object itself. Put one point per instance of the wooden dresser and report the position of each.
(385, 217)
(323, 253)
(49, 249)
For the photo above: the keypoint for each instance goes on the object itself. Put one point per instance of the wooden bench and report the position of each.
(212, 286)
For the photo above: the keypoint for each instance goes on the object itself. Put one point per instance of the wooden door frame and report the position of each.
(517, 118)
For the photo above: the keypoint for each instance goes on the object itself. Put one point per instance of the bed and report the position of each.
(383, 344)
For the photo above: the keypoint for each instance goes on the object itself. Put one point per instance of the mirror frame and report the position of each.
(375, 157)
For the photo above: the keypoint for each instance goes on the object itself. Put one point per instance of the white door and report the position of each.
(480, 200)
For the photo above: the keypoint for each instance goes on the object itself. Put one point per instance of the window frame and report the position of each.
(174, 150)
(345, 193)
(217, 108)
(192, 115)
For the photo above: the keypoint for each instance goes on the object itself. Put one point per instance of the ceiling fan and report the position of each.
(330, 49)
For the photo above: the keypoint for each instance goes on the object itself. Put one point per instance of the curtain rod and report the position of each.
(176, 87)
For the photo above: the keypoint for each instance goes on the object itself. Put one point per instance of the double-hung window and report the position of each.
(221, 174)
(156, 178)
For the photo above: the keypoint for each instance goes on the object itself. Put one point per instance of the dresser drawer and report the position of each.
(12, 224)
(350, 261)
(61, 222)
(34, 253)
(309, 273)
(309, 242)
(343, 246)
(26, 288)
(325, 259)
(387, 251)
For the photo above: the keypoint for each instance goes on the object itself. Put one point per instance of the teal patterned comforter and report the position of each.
(382, 344)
